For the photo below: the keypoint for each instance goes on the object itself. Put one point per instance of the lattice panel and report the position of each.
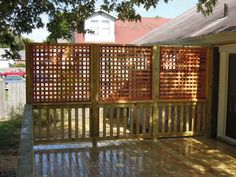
(61, 73)
(182, 73)
(125, 73)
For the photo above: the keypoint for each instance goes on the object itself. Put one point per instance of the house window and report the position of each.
(100, 28)
(105, 28)
(95, 27)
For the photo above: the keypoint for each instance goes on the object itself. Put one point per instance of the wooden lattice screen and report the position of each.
(182, 73)
(61, 73)
(125, 73)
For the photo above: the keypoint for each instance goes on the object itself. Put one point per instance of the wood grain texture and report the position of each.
(167, 157)
(26, 155)
(182, 119)
(125, 73)
(60, 73)
(131, 84)
(182, 73)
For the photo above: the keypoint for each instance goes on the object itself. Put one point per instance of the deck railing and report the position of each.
(99, 91)
(181, 119)
(78, 92)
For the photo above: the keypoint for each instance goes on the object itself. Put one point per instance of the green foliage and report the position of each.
(20, 45)
(10, 131)
(206, 6)
(62, 21)
(18, 65)
(22, 16)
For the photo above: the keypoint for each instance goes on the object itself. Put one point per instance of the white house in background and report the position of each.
(5, 63)
(104, 27)
(101, 26)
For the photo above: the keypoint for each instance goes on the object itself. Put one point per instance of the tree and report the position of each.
(22, 16)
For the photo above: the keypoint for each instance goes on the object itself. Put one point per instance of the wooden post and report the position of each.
(29, 74)
(155, 87)
(94, 123)
(209, 64)
(25, 163)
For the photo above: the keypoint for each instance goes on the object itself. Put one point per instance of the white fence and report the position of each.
(11, 100)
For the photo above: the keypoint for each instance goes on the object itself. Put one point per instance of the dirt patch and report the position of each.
(8, 163)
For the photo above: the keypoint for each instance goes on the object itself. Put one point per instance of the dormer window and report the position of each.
(100, 28)
(95, 27)
(105, 28)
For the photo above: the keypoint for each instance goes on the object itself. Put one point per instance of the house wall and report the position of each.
(225, 50)
(62, 40)
(4, 64)
(103, 27)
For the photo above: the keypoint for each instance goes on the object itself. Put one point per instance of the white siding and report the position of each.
(4, 64)
(103, 27)
(225, 51)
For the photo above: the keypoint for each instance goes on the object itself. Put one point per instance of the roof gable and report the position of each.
(102, 12)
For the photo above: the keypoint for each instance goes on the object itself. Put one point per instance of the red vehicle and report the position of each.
(13, 73)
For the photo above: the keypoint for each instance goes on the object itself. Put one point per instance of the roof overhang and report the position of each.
(105, 12)
(206, 40)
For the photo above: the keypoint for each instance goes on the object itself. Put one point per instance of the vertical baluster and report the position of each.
(104, 121)
(169, 117)
(158, 120)
(144, 121)
(204, 114)
(69, 124)
(175, 118)
(187, 118)
(131, 121)
(62, 123)
(181, 119)
(111, 121)
(40, 123)
(124, 120)
(48, 122)
(150, 120)
(163, 118)
(55, 123)
(137, 119)
(83, 122)
(118, 122)
(76, 123)
(199, 117)
(35, 124)
(193, 117)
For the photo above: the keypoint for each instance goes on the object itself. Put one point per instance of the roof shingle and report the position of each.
(192, 24)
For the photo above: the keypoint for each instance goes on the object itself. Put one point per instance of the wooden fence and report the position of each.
(87, 91)
(12, 100)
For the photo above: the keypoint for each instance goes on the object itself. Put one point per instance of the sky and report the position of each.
(170, 10)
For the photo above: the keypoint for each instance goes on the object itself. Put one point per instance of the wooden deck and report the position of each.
(140, 158)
